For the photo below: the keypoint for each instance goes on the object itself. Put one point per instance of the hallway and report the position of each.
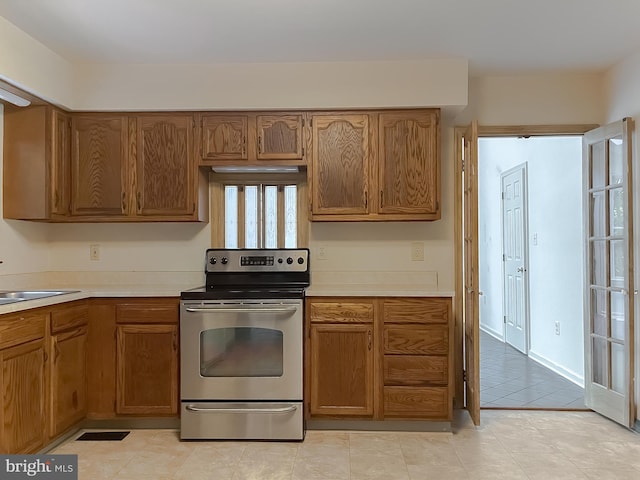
(509, 379)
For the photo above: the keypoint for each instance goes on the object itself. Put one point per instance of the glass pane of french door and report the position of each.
(608, 322)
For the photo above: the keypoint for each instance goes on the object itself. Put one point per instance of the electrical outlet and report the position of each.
(557, 328)
(321, 253)
(417, 251)
(94, 252)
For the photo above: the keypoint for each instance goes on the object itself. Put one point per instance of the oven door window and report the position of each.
(241, 352)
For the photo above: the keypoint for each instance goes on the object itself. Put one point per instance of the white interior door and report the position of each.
(609, 263)
(514, 250)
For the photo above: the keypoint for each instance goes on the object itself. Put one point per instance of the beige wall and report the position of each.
(553, 98)
(266, 86)
(28, 64)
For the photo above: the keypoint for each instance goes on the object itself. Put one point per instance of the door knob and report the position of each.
(521, 269)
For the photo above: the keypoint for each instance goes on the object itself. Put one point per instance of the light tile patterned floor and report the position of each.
(510, 379)
(508, 445)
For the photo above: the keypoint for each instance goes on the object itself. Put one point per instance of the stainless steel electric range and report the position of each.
(241, 338)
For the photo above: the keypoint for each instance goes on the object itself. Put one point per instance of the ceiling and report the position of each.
(496, 36)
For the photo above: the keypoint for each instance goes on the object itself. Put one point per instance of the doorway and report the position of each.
(544, 365)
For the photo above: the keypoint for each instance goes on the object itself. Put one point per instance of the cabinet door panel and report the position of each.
(408, 156)
(22, 371)
(414, 370)
(165, 166)
(279, 137)
(147, 369)
(68, 379)
(99, 165)
(224, 137)
(341, 370)
(340, 181)
(414, 340)
(408, 402)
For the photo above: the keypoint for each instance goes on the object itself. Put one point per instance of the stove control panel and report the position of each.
(257, 260)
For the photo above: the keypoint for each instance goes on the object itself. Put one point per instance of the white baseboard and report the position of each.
(494, 333)
(563, 372)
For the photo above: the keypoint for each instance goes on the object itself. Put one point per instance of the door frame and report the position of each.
(483, 131)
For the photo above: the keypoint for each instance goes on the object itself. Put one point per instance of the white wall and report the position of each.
(555, 257)
(623, 100)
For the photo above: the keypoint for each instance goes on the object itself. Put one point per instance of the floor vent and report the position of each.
(101, 436)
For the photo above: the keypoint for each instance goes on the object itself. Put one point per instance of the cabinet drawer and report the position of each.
(69, 317)
(341, 312)
(416, 310)
(416, 340)
(147, 313)
(411, 402)
(413, 370)
(17, 329)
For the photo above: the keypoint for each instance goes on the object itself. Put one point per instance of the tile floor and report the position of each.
(508, 445)
(510, 379)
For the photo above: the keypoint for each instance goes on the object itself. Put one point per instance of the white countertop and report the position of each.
(368, 290)
(93, 291)
(115, 284)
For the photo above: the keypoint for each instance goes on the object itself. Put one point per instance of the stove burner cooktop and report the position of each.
(253, 274)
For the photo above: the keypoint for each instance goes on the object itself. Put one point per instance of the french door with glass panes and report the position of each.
(609, 265)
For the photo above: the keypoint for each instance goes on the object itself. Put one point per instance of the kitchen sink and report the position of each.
(12, 296)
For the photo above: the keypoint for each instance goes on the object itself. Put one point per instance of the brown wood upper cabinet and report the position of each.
(376, 166)
(251, 138)
(99, 165)
(341, 158)
(408, 170)
(165, 167)
(36, 163)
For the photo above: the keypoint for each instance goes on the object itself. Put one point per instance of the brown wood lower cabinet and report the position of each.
(379, 358)
(68, 366)
(68, 379)
(413, 402)
(336, 390)
(22, 374)
(147, 369)
(133, 357)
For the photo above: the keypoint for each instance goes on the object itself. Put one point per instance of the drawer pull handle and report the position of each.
(193, 408)
(370, 339)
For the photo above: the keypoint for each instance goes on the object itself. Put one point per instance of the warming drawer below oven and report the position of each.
(238, 421)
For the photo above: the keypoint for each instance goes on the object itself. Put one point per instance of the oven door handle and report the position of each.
(242, 310)
(289, 409)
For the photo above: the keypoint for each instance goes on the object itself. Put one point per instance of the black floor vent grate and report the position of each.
(101, 436)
